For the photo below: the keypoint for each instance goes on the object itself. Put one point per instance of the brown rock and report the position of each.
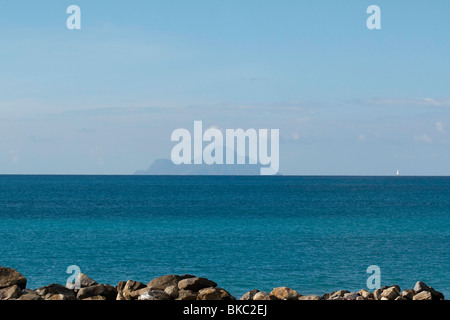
(172, 291)
(350, 296)
(95, 298)
(58, 296)
(125, 289)
(161, 283)
(377, 294)
(10, 277)
(264, 296)
(407, 294)
(28, 294)
(309, 297)
(186, 295)
(249, 295)
(390, 293)
(214, 294)
(338, 294)
(195, 284)
(285, 293)
(12, 292)
(423, 295)
(365, 294)
(55, 289)
(109, 292)
(135, 294)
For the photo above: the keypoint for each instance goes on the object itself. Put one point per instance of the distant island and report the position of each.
(167, 167)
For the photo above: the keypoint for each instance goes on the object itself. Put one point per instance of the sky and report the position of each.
(105, 99)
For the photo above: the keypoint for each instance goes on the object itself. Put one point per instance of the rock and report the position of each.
(421, 286)
(10, 277)
(154, 295)
(161, 283)
(58, 296)
(309, 297)
(55, 289)
(28, 294)
(360, 298)
(264, 296)
(83, 281)
(350, 296)
(214, 294)
(186, 295)
(400, 298)
(172, 291)
(377, 294)
(96, 298)
(407, 294)
(126, 288)
(384, 298)
(285, 293)
(107, 291)
(436, 294)
(12, 292)
(135, 294)
(195, 284)
(391, 293)
(423, 295)
(365, 294)
(338, 294)
(249, 295)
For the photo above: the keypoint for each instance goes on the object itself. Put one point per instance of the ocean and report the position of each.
(313, 234)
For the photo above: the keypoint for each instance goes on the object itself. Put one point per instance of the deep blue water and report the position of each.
(313, 234)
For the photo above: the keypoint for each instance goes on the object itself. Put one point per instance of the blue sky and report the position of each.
(105, 99)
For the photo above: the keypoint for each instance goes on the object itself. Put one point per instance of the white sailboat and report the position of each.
(398, 173)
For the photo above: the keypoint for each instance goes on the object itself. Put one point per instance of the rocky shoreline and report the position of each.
(185, 287)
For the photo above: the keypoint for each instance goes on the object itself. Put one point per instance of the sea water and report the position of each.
(312, 234)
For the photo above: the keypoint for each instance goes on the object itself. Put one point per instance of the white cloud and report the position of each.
(423, 138)
(440, 127)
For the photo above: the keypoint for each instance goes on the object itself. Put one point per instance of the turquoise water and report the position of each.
(313, 234)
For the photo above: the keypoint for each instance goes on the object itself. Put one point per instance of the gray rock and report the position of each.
(195, 284)
(172, 291)
(154, 295)
(10, 277)
(28, 294)
(350, 296)
(421, 286)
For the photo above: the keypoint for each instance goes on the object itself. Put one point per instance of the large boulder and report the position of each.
(365, 294)
(214, 294)
(407, 294)
(12, 292)
(10, 277)
(105, 290)
(161, 283)
(195, 284)
(285, 293)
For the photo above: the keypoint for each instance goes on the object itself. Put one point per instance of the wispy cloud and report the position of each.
(404, 102)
